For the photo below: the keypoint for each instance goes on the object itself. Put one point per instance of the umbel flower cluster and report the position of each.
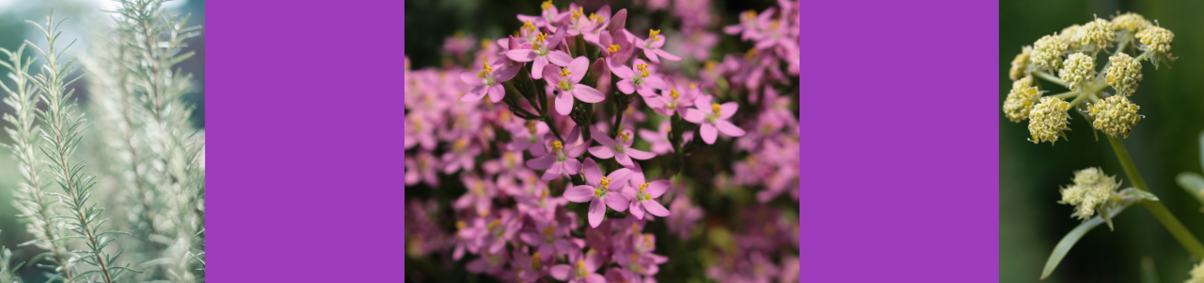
(1072, 55)
(1099, 91)
(573, 108)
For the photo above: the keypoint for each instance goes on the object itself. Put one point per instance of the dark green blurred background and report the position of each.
(1163, 144)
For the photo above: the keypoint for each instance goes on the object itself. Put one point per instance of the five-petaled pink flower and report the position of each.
(559, 161)
(487, 82)
(548, 17)
(542, 51)
(652, 47)
(567, 82)
(713, 120)
(600, 190)
(643, 195)
(581, 270)
(619, 148)
(641, 79)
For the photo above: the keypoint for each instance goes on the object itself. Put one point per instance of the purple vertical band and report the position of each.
(900, 141)
(304, 134)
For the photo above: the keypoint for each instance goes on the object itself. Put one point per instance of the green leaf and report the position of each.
(1192, 183)
(1073, 237)
(1149, 274)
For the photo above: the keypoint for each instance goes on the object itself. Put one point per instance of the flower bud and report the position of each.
(1156, 39)
(1114, 115)
(1047, 52)
(1097, 33)
(1048, 119)
(1091, 189)
(1020, 100)
(1077, 71)
(1124, 73)
(1130, 22)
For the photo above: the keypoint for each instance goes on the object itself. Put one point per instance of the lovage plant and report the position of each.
(564, 151)
(1100, 64)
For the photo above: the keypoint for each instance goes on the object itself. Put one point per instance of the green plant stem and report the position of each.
(1077, 99)
(1168, 220)
(1050, 78)
(1065, 95)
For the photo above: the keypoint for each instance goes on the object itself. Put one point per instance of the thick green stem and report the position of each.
(1160, 212)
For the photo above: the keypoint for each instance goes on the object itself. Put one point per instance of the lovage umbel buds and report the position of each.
(1073, 53)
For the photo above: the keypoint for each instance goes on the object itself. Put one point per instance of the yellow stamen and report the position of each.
(485, 71)
(625, 136)
(564, 72)
(504, 116)
(748, 15)
(613, 48)
(633, 259)
(716, 108)
(494, 224)
(597, 192)
(485, 44)
(750, 53)
(710, 65)
(460, 225)
(643, 187)
(485, 213)
(547, 231)
(647, 196)
(541, 37)
(577, 13)
(556, 146)
(773, 25)
(543, 194)
(643, 69)
(460, 145)
(593, 17)
(635, 227)
(606, 183)
(536, 261)
(673, 93)
(531, 127)
(652, 33)
(692, 86)
(529, 26)
(564, 85)
(546, 5)
(581, 272)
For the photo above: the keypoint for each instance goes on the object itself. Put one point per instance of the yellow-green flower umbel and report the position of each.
(1130, 22)
(1047, 52)
(1077, 71)
(1097, 33)
(1124, 73)
(1197, 274)
(1048, 119)
(1091, 190)
(1156, 39)
(1021, 100)
(1115, 115)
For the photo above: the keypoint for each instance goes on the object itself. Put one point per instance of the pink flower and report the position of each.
(529, 138)
(652, 47)
(480, 194)
(659, 139)
(643, 195)
(542, 51)
(640, 79)
(549, 16)
(715, 119)
(567, 82)
(500, 231)
(422, 168)
(549, 238)
(492, 263)
(599, 22)
(459, 43)
(617, 48)
(460, 156)
(619, 148)
(599, 190)
(487, 82)
(559, 161)
(750, 24)
(684, 217)
(531, 267)
(698, 44)
(419, 130)
(675, 100)
(581, 270)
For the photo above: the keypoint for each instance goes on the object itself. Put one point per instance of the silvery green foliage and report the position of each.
(31, 199)
(161, 153)
(62, 134)
(7, 271)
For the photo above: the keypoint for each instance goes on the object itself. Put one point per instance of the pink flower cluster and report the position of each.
(527, 151)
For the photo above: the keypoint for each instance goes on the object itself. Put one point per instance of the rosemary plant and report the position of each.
(34, 204)
(7, 273)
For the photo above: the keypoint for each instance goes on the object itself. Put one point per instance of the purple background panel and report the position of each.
(900, 141)
(304, 128)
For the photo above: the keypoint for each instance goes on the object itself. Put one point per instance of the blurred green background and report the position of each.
(78, 14)
(1162, 145)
